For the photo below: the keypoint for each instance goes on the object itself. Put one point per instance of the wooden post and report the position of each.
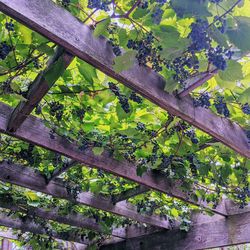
(6, 244)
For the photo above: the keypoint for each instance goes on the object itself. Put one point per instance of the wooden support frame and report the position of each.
(26, 177)
(58, 25)
(206, 233)
(32, 227)
(37, 91)
(34, 131)
(78, 220)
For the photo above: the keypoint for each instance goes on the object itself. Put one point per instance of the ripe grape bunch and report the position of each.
(202, 101)
(147, 52)
(221, 106)
(5, 49)
(99, 4)
(246, 109)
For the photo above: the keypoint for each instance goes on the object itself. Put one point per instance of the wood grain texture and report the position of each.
(78, 220)
(38, 89)
(61, 27)
(32, 227)
(26, 177)
(207, 233)
(34, 131)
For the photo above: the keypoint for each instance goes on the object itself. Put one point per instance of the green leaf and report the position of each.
(141, 169)
(174, 212)
(171, 85)
(240, 34)
(98, 150)
(245, 96)
(44, 48)
(125, 61)
(190, 8)
(87, 71)
(54, 72)
(102, 27)
(31, 195)
(233, 72)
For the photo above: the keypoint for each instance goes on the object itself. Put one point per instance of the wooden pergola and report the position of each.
(228, 226)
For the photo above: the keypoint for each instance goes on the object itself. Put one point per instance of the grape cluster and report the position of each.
(202, 101)
(166, 161)
(191, 134)
(123, 100)
(143, 4)
(56, 109)
(182, 66)
(199, 36)
(26, 154)
(221, 106)
(147, 52)
(157, 15)
(99, 4)
(116, 48)
(135, 98)
(80, 112)
(5, 49)
(193, 164)
(141, 126)
(246, 109)
(215, 1)
(217, 56)
(9, 25)
(248, 135)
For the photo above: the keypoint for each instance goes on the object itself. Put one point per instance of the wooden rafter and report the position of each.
(58, 25)
(26, 177)
(78, 220)
(32, 227)
(37, 90)
(33, 130)
(206, 232)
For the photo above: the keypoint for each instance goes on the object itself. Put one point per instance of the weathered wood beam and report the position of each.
(32, 227)
(78, 220)
(34, 131)
(58, 25)
(26, 177)
(37, 90)
(207, 232)
(6, 245)
(130, 193)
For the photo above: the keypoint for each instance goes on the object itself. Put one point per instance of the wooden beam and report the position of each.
(58, 25)
(78, 220)
(32, 227)
(37, 90)
(206, 233)
(34, 131)
(130, 193)
(6, 244)
(27, 178)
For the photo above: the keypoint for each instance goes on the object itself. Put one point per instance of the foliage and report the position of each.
(178, 39)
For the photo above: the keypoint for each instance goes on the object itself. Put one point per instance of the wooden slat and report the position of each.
(25, 177)
(130, 193)
(32, 227)
(58, 25)
(206, 233)
(78, 220)
(34, 131)
(37, 91)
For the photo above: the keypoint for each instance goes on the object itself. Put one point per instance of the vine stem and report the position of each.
(226, 12)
